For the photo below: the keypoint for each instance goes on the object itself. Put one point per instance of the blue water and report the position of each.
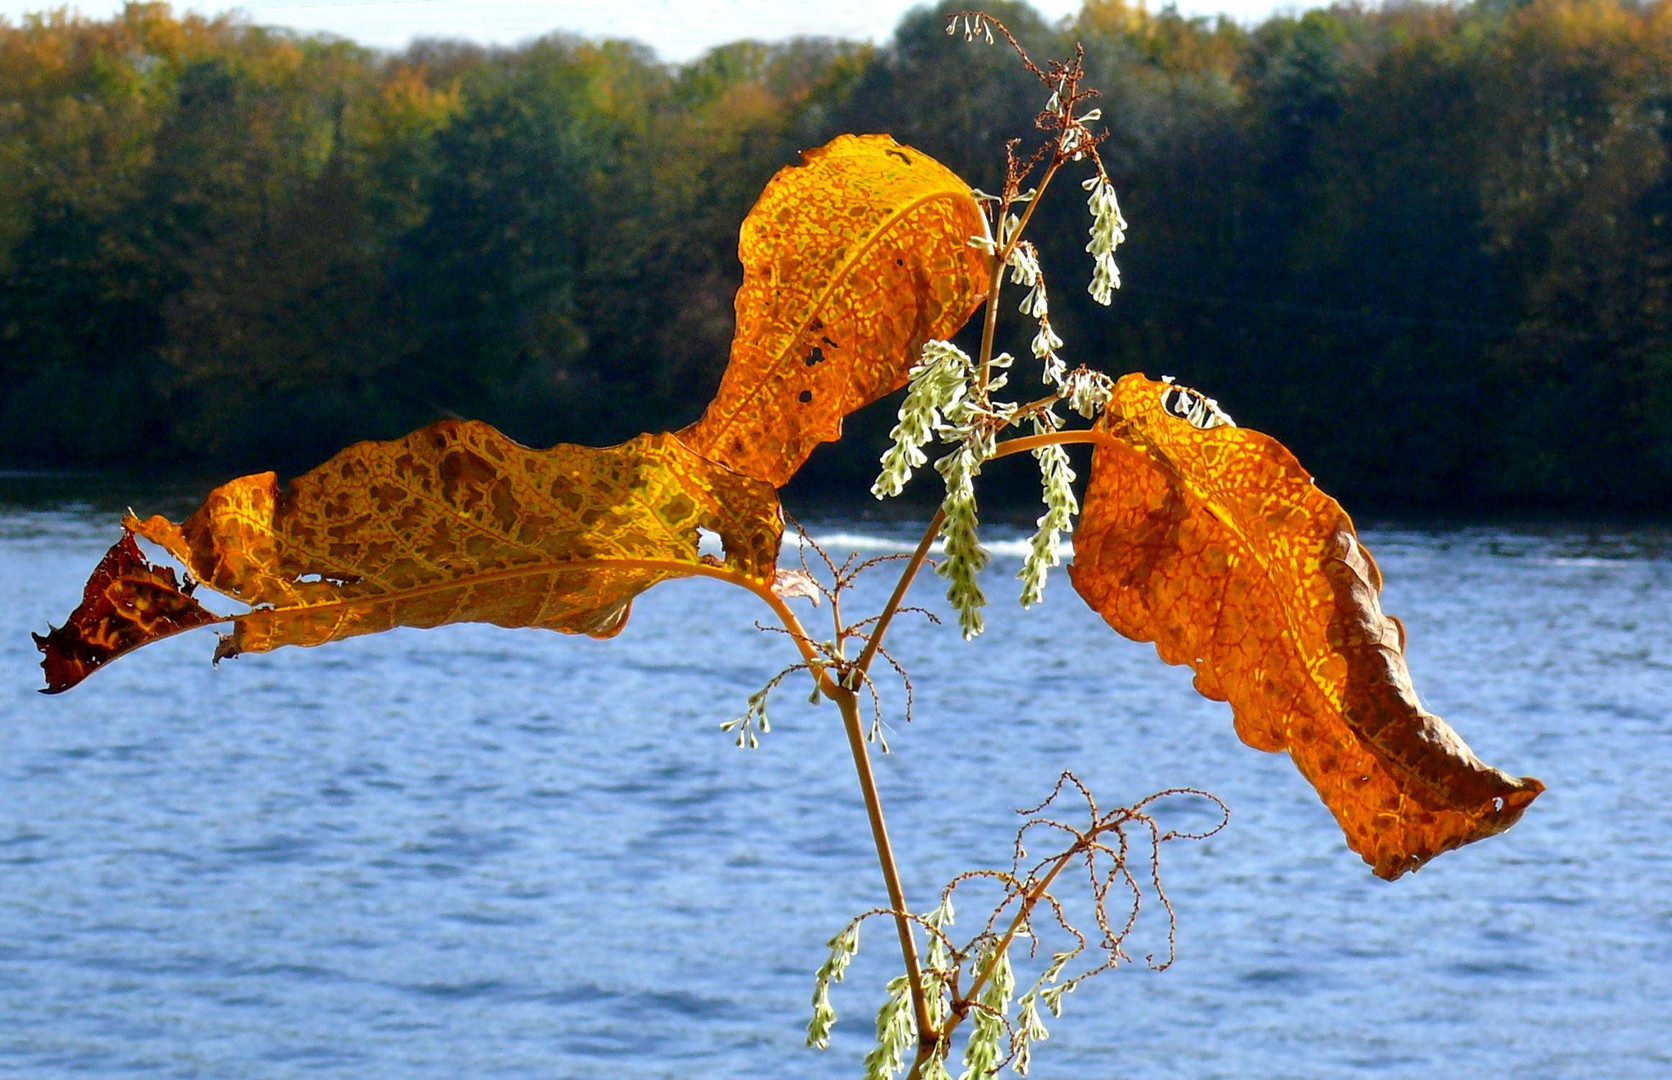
(477, 852)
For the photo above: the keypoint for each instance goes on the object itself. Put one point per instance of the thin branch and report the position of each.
(1027, 443)
(848, 702)
(866, 655)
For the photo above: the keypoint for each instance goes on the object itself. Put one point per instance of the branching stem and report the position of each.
(848, 702)
(1028, 903)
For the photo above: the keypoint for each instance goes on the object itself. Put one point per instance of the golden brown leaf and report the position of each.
(1215, 545)
(457, 523)
(851, 261)
(127, 603)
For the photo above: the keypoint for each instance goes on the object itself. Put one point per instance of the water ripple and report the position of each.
(474, 852)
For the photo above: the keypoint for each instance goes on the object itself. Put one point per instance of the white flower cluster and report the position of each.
(1009, 227)
(965, 558)
(935, 1069)
(1075, 138)
(1108, 229)
(939, 956)
(1194, 406)
(753, 720)
(1029, 1030)
(1024, 270)
(986, 1046)
(1045, 346)
(896, 1032)
(940, 403)
(948, 398)
(962, 417)
(1087, 391)
(974, 26)
(1057, 482)
(1052, 995)
(939, 384)
(843, 948)
(939, 959)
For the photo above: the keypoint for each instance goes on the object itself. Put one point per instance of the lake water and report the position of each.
(478, 852)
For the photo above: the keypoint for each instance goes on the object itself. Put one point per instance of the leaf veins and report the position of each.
(851, 261)
(127, 603)
(1216, 545)
(458, 523)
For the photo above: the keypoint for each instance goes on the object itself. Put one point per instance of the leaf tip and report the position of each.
(126, 603)
(226, 648)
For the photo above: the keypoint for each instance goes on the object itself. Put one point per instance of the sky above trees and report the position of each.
(679, 30)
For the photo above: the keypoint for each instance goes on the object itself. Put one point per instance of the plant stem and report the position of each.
(1028, 903)
(1021, 226)
(848, 702)
(989, 327)
(863, 664)
(798, 633)
(841, 638)
(1033, 442)
(990, 324)
(927, 1037)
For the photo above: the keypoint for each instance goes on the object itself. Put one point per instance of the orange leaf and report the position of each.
(1215, 545)
(127, 603)
(851, 261)
(457, 523)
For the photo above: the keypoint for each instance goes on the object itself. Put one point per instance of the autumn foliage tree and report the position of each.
(861, 264)
(1369, 228)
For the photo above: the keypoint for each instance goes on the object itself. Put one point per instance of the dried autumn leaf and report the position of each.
(458, 523)
(851, 261)
(1214, 544)
(127, 603)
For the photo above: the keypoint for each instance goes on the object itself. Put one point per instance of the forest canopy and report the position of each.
(1427, 246)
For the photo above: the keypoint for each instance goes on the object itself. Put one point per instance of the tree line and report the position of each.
(1428, 247)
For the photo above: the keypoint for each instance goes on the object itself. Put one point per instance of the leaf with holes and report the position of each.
(127, 603)
(851, 261)
(1214, 544)
(457, 523)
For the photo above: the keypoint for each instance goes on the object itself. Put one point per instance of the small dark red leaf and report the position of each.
(127, 603)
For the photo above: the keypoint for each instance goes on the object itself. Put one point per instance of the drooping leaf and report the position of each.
(1215, 544)
(127, 603)
(851, 261)
(457, 523)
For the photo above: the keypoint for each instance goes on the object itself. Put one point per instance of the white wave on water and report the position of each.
(840, 543)
(1006, 546)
